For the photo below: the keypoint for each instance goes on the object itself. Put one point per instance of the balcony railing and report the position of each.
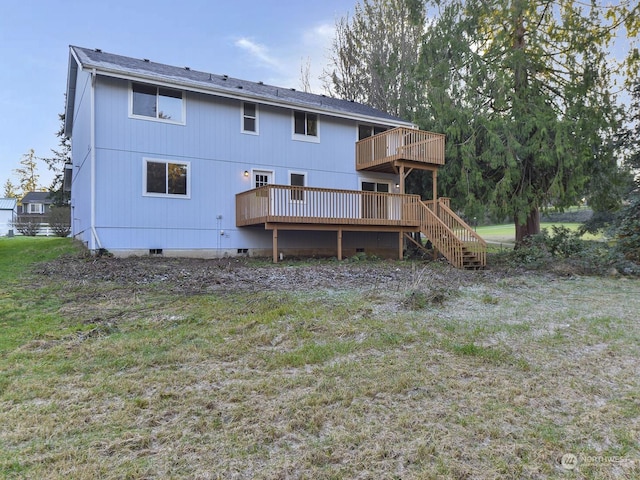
(308, 205)
(380, 151)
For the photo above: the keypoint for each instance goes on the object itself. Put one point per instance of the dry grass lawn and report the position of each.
(368, 370)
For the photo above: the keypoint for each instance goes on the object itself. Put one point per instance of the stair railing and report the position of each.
(473, 242)
(440, 235)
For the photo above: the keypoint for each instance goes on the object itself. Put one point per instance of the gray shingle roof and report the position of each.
(37, 197)
(118, 65)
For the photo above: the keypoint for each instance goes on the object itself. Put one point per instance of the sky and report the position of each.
(268, 40)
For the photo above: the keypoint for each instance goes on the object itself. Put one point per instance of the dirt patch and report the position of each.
(198, 276)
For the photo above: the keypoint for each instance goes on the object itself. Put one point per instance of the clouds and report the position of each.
(259, 52)
(283, 63)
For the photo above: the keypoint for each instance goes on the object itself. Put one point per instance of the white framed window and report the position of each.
(35, 208)
(249, 118)
(157, 103)
(166, 178)
(297, 179)
(306, 126)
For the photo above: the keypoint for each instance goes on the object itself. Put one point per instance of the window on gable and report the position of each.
(166, 178)
(157, 102)
(305, 124)
(249, 118)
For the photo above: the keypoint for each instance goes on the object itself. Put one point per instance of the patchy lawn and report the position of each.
(175, 368)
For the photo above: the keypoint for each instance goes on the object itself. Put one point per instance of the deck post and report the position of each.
(339, 244)
(400, 244)
(275, 245)
(434, 175)
(402, 179)
(436, 209)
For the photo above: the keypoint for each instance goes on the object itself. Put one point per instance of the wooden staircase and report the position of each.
(451, 236)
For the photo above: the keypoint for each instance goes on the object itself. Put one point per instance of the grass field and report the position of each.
(422, 372)
(506, 234)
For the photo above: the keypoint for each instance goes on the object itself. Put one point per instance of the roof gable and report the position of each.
(185, 78)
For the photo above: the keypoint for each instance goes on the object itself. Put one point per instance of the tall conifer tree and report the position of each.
(524, 92)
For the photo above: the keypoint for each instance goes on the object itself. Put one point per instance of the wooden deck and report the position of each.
(284, 207)
(408, 147)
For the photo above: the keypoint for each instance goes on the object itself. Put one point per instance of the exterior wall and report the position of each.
(128, 221)
(81, 157)
(6, 222)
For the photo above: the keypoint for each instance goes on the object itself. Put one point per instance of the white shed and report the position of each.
(8, 212)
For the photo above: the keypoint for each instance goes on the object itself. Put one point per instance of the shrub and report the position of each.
(628, 230)
(60, 221)
(565, 252)
(28, 226)
(563, 243)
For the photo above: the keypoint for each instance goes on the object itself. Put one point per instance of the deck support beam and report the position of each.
(275, 245)
(339, 230)
(434, 176)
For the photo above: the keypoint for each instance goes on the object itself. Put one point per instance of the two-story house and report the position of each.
(169, 160)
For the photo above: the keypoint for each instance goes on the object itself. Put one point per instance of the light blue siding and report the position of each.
(218, 153)
(81, 156)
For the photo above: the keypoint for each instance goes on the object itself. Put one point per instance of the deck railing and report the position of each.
(400, 144)
(289, 204)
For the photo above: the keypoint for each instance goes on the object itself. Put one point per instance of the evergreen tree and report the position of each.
(57, 163)
(523, 91)
(28, 173)
(10, 190)
(632, 135)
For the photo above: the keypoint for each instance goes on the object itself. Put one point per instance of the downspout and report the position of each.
(96, 239)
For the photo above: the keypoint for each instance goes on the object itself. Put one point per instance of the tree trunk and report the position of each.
(530, 227)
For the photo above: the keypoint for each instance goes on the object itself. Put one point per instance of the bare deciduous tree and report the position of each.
(375, 54)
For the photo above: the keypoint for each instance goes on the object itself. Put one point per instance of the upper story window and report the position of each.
(365, 131)
(249, 118)
(148, 101)
(166, 178)
(35, 208)
(305, 126)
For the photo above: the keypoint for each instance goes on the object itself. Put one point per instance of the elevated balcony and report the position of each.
(411, 148)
